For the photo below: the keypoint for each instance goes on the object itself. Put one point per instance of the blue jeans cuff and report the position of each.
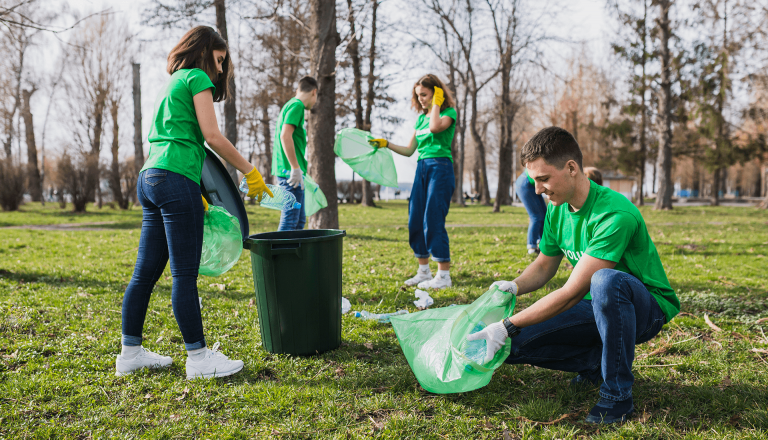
(195, 345)
(131, 341)
(421, 256)
(441, 260)
(616, 399)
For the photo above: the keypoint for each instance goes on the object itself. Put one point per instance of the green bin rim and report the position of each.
(263, 238)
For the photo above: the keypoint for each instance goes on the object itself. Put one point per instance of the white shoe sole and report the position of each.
(119, 373)
(411, 283)
(215, 374)
(425, 285)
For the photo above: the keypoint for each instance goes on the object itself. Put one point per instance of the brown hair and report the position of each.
(431, 81)
(195, 50)
(307, 84)
(594, 175)
(555, 145)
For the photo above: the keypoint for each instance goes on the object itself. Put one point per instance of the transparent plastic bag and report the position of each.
(314, 199)
(372, 164)
(222, 242)
(435, 343)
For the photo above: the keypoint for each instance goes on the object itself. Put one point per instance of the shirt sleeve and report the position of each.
(548, 244)
(197, 81)
(450, 111)
(612, 236)
(294, 114)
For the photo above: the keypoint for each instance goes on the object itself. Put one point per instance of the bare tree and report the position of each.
(664, 161)
(323, 41)
(138, 143)
(371, 95)
(33, 172)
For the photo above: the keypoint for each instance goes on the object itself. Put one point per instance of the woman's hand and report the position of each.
(256, 186)
(438, 98)
(205, 203)
(378, 143)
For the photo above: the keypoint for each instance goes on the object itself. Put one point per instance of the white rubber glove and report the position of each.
(296, 179)
(507, 286)
(495, 336)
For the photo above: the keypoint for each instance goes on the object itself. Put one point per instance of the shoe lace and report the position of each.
(215, 348)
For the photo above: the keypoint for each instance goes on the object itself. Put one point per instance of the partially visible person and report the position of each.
(289, 162)
(535, 206)
(167, 188)
(594, 175)
(434, 183)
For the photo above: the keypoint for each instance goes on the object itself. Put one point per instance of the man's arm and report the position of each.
(537, 274)
(564, 298)
(286, 139)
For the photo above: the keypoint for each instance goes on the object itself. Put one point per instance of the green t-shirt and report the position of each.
(530, 179)
(175, 138)
(611, 228)
(432, 145)
(291, 113)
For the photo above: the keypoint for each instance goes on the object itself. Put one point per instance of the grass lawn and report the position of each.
(61, 293)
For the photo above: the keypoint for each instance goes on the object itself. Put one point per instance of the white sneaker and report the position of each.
(438, 282)
(144, 359)
(420, 276)
(214, 364)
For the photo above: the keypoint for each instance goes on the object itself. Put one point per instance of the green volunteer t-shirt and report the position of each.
(530, 179)
(611, 228)
(175, 138)
(291, 113)
(432, 145)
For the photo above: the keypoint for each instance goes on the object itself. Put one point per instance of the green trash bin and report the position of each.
(297, 277)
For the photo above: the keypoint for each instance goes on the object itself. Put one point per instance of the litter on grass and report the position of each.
(424, 300)
(345, 305)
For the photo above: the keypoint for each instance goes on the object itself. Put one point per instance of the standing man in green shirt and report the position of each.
(289, 163)
(617, 296)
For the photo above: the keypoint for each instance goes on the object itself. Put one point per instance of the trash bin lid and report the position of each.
(219, 190)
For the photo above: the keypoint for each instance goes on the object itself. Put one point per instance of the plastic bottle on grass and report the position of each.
(282, 200)
(381, 317)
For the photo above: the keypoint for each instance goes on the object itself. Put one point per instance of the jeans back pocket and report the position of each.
(153, 177)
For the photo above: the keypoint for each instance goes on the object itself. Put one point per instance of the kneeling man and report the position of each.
(616, 297)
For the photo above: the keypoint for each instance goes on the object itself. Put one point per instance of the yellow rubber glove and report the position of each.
(205, 203)
(256, 186)
(378, 143)
(438, 98)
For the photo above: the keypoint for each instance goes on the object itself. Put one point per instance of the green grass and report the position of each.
(61, 292)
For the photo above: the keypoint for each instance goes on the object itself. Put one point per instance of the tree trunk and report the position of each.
(485, 193)
(371, 95)
(322, 123)
(230, 104)
(33, 172)
(462, 145)
(716, 178)
(93, 187)
(505, 138)
(138, 148)
(664, 161)
(114, 171)
(266, 172)
(354, 54)
(8, 143)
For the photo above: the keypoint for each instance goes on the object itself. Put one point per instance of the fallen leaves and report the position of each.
(368, 345)
(760, 350)
(221, 287)
(183, 394)
(711, 324)
(761, 320)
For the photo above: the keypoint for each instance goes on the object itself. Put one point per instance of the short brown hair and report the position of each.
(307, 84)
(594, 175)
(555, 145)
(195, 50)
(431, 81)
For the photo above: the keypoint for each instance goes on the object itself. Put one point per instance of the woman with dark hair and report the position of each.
(434, 183)
(167, 188)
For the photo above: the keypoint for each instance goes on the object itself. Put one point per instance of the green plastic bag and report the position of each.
(222, 242)
(372, 164)
(314, 199)
(435, 343)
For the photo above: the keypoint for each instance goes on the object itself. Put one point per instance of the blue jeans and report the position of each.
(293, 219)
(595, 337)
(536, 207)
(172, 227)
(430, 199)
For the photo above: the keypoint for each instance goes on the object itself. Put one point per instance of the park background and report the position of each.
(665, 96)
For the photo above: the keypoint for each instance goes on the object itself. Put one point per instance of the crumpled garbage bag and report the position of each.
(435, 343)
(314, 199)
(222, 242)
(371, 163)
